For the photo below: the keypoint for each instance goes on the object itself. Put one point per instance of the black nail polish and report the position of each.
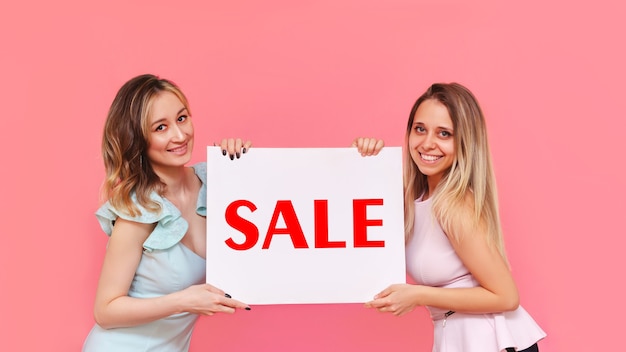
(227, 295)
(224, 152)
(245, 150)
(232, 157)
(238, 155)
(248, 308)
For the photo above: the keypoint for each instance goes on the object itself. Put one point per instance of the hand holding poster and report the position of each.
(305, 225)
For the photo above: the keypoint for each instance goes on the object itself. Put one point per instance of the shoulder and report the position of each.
(462, 217)
(131, 232)
(200, 170)
(168, 225)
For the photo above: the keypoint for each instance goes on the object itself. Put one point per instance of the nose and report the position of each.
(429, 141)
(177, 133)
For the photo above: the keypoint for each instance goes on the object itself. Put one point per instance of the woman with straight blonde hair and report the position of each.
(454, 247)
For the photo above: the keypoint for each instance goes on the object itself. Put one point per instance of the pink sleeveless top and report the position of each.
(432, 261)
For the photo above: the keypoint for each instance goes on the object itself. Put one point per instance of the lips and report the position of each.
(179, 150)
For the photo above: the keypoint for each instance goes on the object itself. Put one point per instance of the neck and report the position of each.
(432, 184)
(175, 178)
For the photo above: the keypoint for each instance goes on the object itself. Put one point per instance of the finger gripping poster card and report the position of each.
(305, 225)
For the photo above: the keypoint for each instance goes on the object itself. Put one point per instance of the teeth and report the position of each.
(430, 157)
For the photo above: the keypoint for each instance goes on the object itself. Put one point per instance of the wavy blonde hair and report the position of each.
(124, 143)
(470, 181)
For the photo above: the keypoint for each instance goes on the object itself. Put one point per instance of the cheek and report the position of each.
(415, 156)
(413, 151)
(189, 132)
(155, 143)
(413, 141)
(449, 148)
(189, 128)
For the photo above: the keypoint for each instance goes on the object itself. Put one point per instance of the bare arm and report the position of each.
(114, 308)
(496, 292)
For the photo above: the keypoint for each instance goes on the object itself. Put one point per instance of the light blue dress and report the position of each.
(166, 266)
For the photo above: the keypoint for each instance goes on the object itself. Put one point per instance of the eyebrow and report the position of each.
(165, 118)
(440, 127)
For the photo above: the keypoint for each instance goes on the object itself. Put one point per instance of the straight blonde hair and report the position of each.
(470, 181)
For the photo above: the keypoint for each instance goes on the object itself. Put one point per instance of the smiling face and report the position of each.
(170, 132)
(431, 140)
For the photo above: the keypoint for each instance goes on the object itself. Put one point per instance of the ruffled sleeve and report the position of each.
(170, 228)
(200, 170)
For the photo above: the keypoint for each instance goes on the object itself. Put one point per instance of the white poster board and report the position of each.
(305, 225)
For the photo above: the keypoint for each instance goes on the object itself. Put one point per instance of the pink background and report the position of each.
(549, 74)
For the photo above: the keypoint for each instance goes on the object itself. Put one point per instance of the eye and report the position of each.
(420, 129)
(182, 118)
(446, 134)
(160, 128)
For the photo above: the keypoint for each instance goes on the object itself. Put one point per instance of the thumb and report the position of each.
(384, 293)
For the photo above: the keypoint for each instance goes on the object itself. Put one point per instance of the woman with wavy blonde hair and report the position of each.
(455, 250)
(152, 282)
(151, 288)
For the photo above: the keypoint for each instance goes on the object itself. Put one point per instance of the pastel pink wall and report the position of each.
(550, 77)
